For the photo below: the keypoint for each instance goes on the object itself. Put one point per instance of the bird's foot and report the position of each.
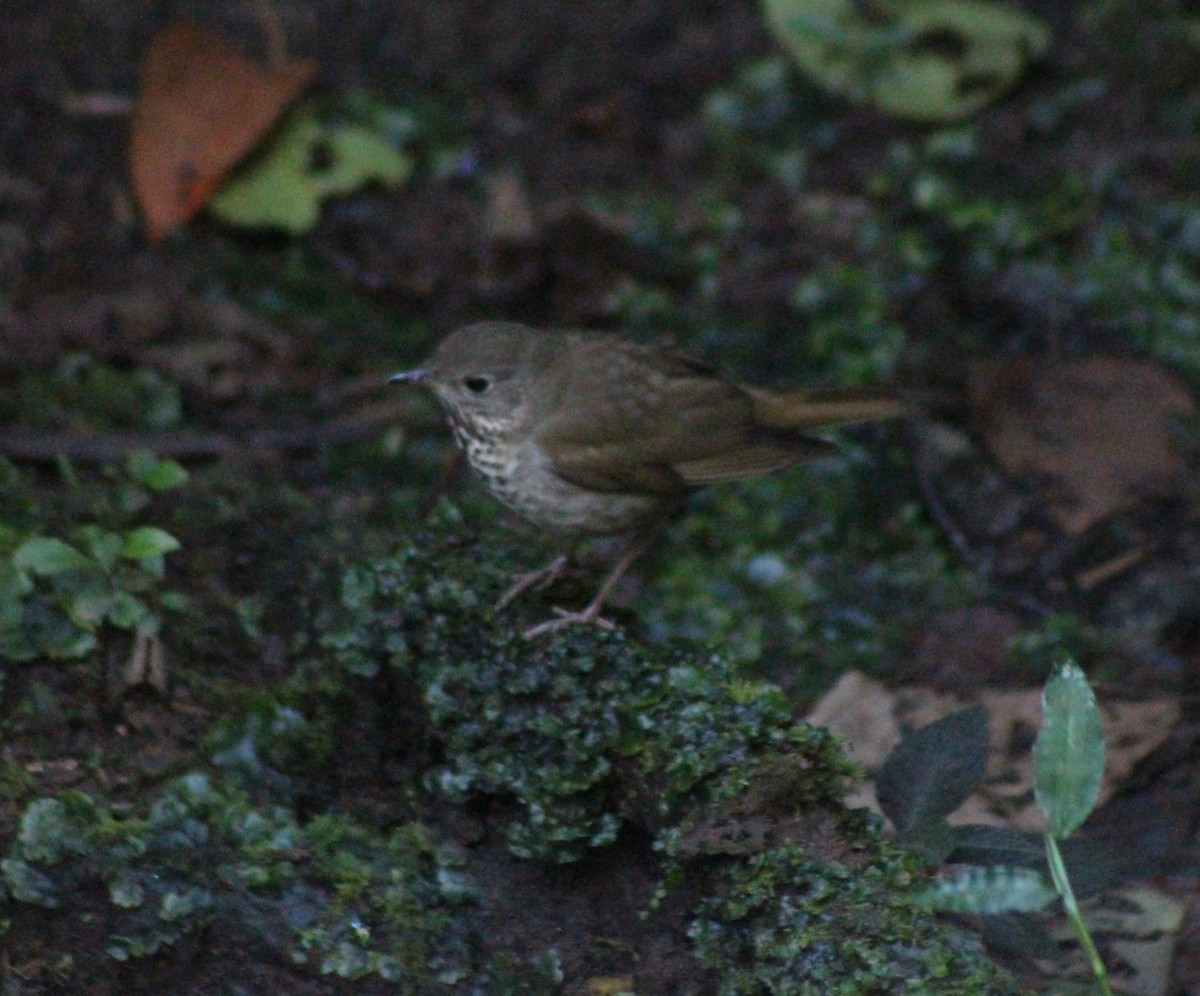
(543, 577)
(589, 616)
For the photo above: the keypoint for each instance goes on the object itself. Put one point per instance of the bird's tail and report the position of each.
(813, 408)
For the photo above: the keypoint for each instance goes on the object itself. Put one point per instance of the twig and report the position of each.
(38, 446)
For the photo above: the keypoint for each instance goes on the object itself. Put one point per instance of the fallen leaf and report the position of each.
(1099, 429)
(925, 60)
(308, 162)
(863, 712)
(200, 108)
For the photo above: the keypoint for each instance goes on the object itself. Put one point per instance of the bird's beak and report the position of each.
(418, 376)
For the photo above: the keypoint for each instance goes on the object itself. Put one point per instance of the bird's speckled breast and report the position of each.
(521, 476)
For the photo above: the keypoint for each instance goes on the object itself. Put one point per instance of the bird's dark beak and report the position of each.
(418, 376)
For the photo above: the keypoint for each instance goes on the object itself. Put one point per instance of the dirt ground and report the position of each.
(1039, 297)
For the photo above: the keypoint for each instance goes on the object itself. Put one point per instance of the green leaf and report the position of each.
(931, 841)
(126, 891)
(926, 60)
(45, 555)
(103, 545)
(930, 773)
(359, 156)
(1090, 864)
(14, 584)
(88, 608)
(173, 601)
(28, 884)
(309, 161)
(48, 832)
(995, 889)
(1068, 755)
(158, 475)
(128, 611)
(146, 542)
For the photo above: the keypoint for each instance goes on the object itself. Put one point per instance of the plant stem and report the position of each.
(1058, 872)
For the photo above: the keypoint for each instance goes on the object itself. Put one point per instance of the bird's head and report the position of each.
(480, 373)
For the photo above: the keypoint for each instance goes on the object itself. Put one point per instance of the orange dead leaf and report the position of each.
(200, 108)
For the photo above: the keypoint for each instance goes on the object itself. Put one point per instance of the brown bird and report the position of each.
(588, 434)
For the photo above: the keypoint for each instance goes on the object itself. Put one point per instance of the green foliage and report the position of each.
(562, 743)
(782, 922)
(1068, 758)
(926, 60)
(1068, 755)
(347, 899)
(58, 597)
(918, 795)
(548, 726)
(820, 564)
(390, 908)
(990, 890)
(757, 123)
(308, 162)
(102, 395)
(1068, 764)
(569, 737)
(1075, 243)
(847, 312)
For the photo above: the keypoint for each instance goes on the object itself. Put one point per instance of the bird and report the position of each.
(587, 434)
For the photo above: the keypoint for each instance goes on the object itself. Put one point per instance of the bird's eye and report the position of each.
(477, 384)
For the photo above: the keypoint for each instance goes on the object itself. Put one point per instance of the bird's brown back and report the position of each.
(617, 415)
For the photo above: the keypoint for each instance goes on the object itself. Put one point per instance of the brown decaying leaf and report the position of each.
(1099, 428)
(200, 108)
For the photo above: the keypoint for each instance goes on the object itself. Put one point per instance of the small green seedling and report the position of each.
(58, 595)
(1008, 872)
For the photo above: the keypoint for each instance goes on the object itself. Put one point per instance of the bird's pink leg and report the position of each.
(541, 578)
(590, 614)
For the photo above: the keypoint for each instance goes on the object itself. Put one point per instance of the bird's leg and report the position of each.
(541, 578)
(590, 613)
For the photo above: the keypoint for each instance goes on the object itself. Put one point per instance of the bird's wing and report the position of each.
(773, 452)
(669, 424)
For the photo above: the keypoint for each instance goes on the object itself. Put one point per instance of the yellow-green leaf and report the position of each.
(148, 541)
(309, 161)
(926, 60)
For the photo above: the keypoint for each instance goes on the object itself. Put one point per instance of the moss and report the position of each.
(783, 922)
(575, 737)
(391, 905)
(343, 897)
(565, 742)
(548, 725)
